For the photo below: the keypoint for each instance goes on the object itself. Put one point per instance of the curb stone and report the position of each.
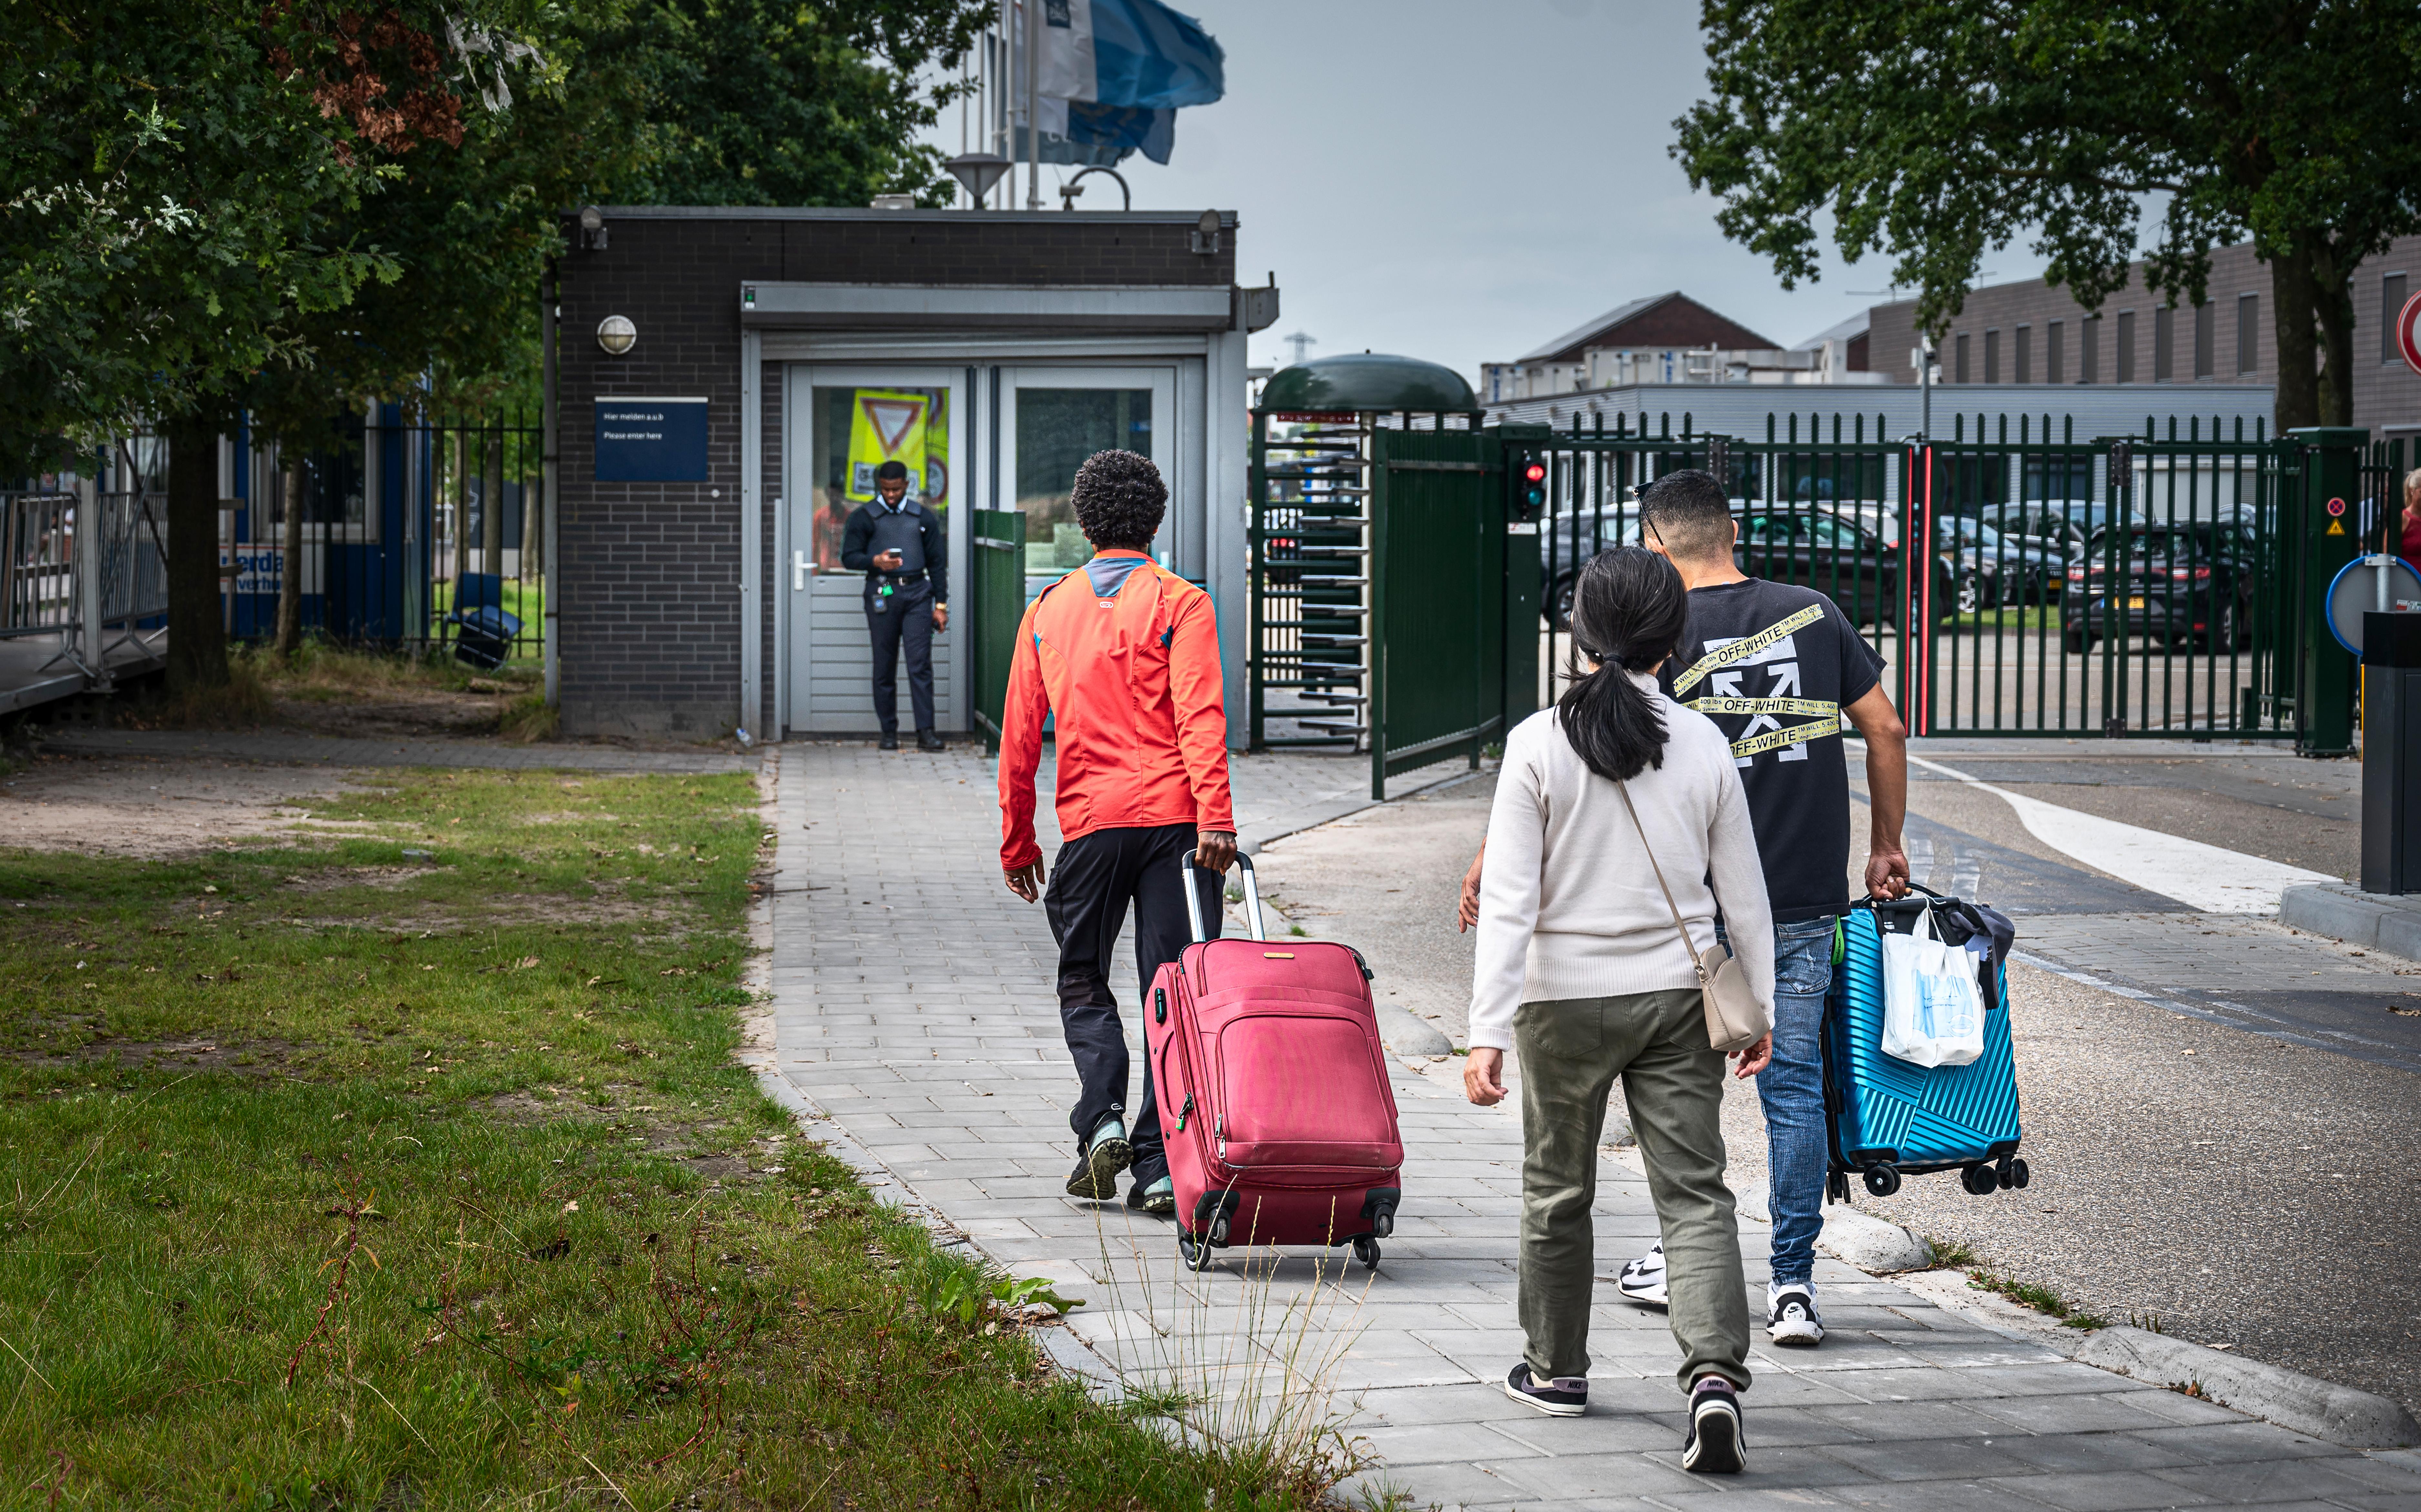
(2289, 1399)
(1850, 1236)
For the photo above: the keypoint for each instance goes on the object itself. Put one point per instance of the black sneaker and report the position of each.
(1563, 1397)
(1158, 1198)
(1096, 1170)
(889, 742)
(927, 741)
(1714, 1445)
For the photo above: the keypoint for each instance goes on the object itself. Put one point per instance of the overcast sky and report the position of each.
(1465, 182)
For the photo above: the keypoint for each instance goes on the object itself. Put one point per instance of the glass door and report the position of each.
(1052, 419)
(843, 422)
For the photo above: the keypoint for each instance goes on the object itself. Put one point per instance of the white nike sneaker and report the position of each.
(1790, 1313)
(1642, 1279)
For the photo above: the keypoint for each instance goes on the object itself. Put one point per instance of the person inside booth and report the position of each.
(902, 548)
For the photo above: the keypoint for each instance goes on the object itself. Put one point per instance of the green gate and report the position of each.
(999, 590)
(2139, 586)
(1378, 570)
(2222, 552)
(1437, 602)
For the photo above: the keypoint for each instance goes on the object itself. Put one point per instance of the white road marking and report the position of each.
(2205, 877)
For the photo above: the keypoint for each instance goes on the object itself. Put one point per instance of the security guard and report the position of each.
(900, 547)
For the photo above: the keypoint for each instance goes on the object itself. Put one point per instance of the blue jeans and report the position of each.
(1792, 1091)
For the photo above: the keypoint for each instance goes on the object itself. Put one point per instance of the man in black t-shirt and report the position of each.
(1779, 668)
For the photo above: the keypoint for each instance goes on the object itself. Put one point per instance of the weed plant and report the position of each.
(333, 1179)
(1949, 1255)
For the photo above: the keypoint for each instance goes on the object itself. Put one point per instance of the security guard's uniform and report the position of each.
(899, 602)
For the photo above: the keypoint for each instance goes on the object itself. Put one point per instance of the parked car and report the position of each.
(2060, 526)
(2189, 583)
(1987, 569)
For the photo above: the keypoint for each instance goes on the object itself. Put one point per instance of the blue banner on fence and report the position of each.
(650, 440)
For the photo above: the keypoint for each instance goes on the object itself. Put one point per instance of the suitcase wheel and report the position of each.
(1366, 1249)
(2014, 1174)
(1981, 1180)
(1191, 1256)
(1883, 1180)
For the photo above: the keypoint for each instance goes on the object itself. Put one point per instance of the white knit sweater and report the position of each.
(1568, 907)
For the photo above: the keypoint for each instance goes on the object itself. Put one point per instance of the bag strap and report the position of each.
(1696, 961)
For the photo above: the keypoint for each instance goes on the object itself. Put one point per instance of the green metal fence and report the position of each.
(2163, 584)
(999, 592)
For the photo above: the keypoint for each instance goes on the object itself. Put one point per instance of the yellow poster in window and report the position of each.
(901, 426)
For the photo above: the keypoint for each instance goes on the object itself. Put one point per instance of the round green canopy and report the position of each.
(1367, 381)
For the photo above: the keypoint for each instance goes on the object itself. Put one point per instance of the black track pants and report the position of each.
(1091, 884)
(909, 618)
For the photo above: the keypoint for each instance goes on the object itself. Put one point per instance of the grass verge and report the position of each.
(335, 1178)
(1951, 1255)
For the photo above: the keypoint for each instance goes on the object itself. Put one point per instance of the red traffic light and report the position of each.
(1536, 471)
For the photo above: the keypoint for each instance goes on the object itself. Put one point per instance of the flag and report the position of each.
(1078, 133)
(1137, 54)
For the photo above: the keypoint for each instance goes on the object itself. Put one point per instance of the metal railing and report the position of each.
(86, 571)
(420, 534)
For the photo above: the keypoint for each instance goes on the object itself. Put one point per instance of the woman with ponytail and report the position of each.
(1583, 966)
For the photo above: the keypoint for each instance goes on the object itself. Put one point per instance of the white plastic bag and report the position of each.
(1933, 1007)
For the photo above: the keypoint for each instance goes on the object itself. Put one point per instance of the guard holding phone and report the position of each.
(904, 552)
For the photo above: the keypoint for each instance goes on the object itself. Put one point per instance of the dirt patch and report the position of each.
(423, 711)
(241, 1057)
(650, 920)
(152, 809)
(331, 879)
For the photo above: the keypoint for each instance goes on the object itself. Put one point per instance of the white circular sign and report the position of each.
(2408, 333)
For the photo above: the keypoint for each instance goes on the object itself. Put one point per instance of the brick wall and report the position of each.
(2386, 393)
(647, 576)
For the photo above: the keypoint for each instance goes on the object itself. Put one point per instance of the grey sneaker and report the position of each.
(1105, 1155)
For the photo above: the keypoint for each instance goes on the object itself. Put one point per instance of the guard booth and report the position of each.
(729, 379)
(1386, 568)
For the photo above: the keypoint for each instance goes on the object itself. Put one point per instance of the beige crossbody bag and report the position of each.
(1735, 1020)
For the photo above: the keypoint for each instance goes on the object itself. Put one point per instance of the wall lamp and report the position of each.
(592, 228)
(617, 335)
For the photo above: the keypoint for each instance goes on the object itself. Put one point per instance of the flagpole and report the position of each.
(1033, 130)
(1000, 86)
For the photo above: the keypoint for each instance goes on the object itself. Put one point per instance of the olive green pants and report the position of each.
(1571, 1051)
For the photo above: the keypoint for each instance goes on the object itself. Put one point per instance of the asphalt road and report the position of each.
(2245, 1180)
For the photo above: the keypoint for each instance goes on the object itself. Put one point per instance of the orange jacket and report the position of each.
(1126, 654)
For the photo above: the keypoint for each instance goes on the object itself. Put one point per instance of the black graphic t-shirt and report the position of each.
(1772, 665)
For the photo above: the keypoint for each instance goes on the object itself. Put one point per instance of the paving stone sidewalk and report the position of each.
(914, 1013)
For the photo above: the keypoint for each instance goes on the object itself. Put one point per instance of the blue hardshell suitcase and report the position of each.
(1887, 1117)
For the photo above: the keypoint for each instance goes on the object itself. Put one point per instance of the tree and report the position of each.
(1934, 129)
(763, 103)
(182, 173)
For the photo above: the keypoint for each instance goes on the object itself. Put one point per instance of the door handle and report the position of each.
(798, 572)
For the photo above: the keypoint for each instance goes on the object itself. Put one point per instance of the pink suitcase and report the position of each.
(1273, 1092)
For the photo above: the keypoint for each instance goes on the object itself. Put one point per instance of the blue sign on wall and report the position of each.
(650, 440)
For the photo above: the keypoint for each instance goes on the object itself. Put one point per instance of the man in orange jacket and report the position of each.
(1125, 654)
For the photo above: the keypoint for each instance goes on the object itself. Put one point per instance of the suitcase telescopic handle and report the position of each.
(1252, 898)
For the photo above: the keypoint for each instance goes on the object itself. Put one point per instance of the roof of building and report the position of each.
(1854, 326)
(1725, 333)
